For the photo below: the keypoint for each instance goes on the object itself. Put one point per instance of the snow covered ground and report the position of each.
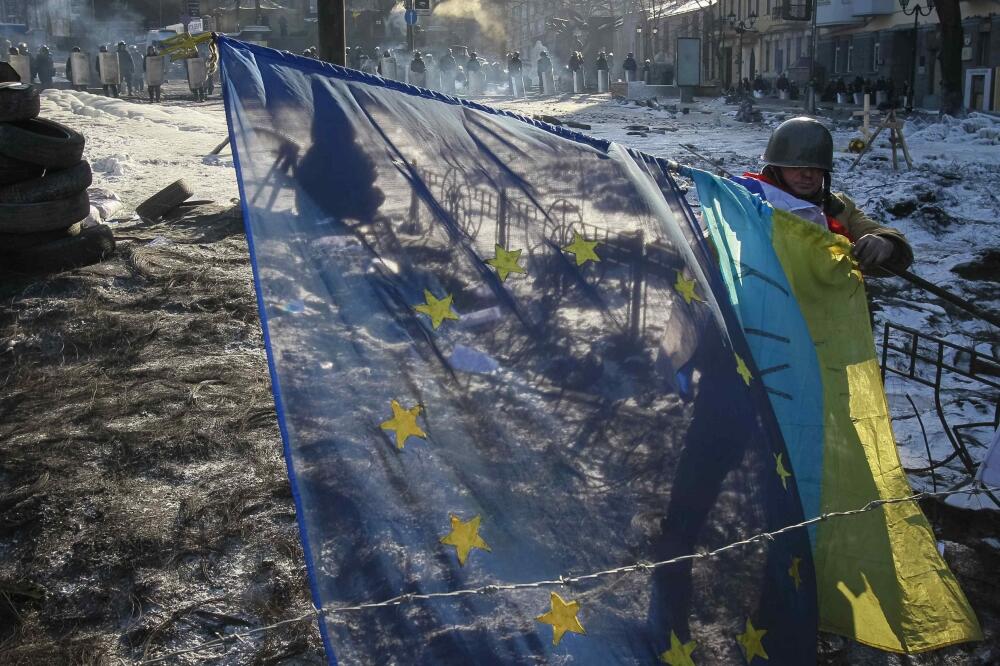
(947, 206)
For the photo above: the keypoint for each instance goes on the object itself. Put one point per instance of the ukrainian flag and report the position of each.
(801, 301)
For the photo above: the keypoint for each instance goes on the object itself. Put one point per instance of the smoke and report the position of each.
(485, 15)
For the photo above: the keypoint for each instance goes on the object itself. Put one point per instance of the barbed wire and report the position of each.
(564, 581)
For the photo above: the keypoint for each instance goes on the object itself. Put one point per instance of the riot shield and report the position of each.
(107, 64)
(389, 69)
(21, 65)
(448, 81)
(548, 84)
(156, 67)
(418, 79)
(517, 85)
(577, 82)
(602, 81)
(197, 73)
(80, 64)
(476, 83)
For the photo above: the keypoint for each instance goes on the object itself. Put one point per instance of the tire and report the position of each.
(44, 216)
(18, 102)
(13, 242)
(43, 142)
(90, 246)
(165, 200)
(14, 171)
(53, 185)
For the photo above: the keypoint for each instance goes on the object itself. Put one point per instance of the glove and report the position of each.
(872, 251)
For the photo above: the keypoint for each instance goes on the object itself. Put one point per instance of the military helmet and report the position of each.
(800, 142)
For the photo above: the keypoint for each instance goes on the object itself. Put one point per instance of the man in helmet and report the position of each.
(797, 178)
(126, 67)
(69, 69)
(110, 89)
(44, 67)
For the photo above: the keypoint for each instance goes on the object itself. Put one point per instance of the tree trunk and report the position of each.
(950, 17)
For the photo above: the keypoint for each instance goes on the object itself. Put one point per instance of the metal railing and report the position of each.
(929, 360)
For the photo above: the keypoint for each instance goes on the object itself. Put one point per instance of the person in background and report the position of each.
(69, 69)
(630, 66)
(153, 91)
(137, 77)
(544, 67)
(126, 67)
(417, 64)
(110, 89)
(44, 67)
(515, 69)
(798, 162)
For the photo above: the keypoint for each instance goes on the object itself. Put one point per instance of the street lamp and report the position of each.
(741, 26)
(916, 13)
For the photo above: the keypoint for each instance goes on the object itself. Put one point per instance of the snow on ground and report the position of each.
(946, 205)
(137, 148)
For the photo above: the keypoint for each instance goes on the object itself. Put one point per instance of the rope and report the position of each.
(563, 581)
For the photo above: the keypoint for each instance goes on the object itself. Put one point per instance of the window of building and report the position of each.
(876, 55)
(983, 49)
(850, 57)
(836, 58)
(798, 46)
(767, 56)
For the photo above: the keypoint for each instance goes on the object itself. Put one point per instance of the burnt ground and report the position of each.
(144, 503)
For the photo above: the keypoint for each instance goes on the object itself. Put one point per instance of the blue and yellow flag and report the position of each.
(801, 301)
(502, 355)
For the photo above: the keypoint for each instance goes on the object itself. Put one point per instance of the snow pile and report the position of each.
(219, 161)
(977, 128)
(113, 166)
(97, 106)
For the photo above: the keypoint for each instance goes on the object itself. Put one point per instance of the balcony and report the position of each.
(830, 13)
(800, 11)
(874, 7)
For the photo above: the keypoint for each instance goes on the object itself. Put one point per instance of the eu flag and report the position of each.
(502, 354)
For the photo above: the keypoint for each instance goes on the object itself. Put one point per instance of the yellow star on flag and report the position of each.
(749, 640)
(562, 617)
(686, 288)
(437, 309)
(464, 537)
(404, 423)
(779, 467)
(506, 262)
(679, 653)
(583, 249)
(793, 571)
(743, 370)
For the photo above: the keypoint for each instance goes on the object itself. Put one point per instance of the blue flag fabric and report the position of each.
(501, 353)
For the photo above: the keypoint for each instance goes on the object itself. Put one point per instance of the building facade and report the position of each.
(746, 39)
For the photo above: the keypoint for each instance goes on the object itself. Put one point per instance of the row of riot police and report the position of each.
(29, 68)
(122, 70)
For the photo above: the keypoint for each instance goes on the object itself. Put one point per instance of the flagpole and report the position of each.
(332, 37)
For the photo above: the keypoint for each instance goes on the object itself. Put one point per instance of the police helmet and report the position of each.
(800, 142)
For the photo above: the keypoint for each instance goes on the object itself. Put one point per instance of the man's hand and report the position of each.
(872, 251)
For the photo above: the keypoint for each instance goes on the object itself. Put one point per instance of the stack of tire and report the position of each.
(43, 191)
